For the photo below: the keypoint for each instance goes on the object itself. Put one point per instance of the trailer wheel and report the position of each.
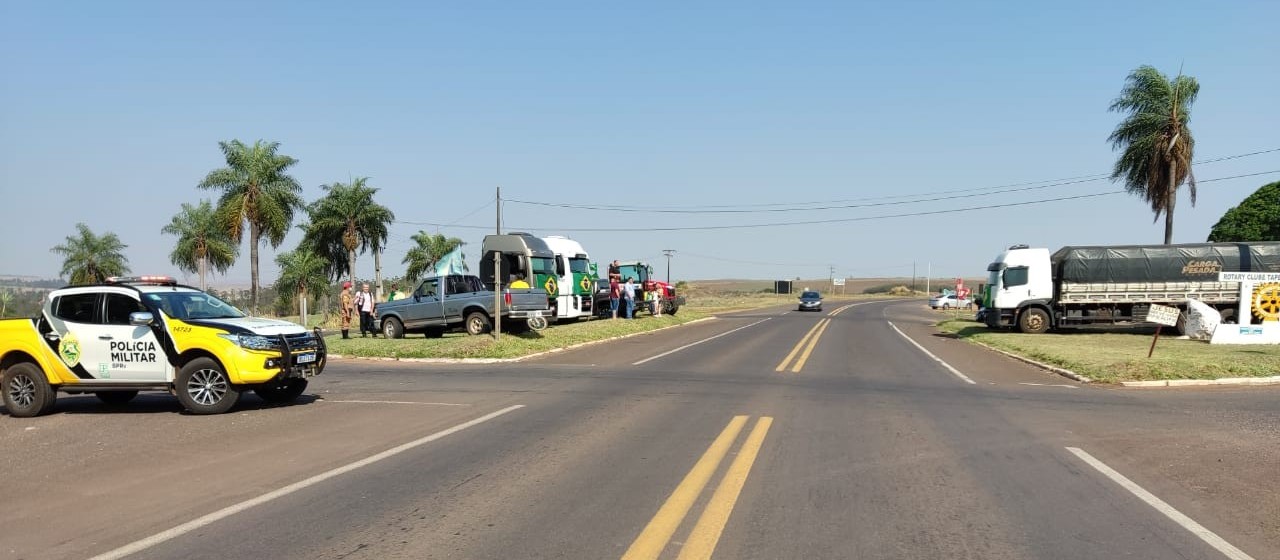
(1034, 321)
(1228, 316)
(1182, 323)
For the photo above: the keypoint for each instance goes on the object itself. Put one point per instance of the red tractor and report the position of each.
(642, 273)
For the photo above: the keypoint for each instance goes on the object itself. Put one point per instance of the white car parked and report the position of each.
(946, 301)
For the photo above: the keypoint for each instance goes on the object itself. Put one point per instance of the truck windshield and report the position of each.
(543, 265)
(993, 279)
(192, 305)
(580, 266)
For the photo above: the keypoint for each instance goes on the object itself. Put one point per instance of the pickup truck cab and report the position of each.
(446, 303)
(149, 333)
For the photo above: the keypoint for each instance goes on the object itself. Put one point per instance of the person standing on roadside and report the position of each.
(615, 292)
(629, 297)
(615, 272)
(346, 307)
(394, 294)
(364, 302)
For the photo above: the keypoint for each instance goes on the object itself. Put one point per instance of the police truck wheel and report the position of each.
(478, 323)
(1034, 321)
(281, 391)
(27, 392)
(391, 328)
(116, 398)
(204, 388)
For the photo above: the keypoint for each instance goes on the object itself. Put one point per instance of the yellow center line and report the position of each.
(783, 366)
(702, 542)
(655, 536)
(813, 342)
(837, 312)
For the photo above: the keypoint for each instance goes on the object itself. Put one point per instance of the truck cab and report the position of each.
(642, 274)
(576, 277)
(518, 253)
(1018, 281)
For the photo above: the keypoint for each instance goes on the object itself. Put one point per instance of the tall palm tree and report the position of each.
(89, 258)
(258, 191)
(427, 250)
(347, 217)
(202, 241)
(1157, 146)
(302, 275)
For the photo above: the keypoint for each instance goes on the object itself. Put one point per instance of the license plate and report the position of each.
(535, 313)
(306, 358)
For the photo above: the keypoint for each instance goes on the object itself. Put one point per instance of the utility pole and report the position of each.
(668, 253)
(831, 280)
(497, 276)
(928, 278)
(913, 277)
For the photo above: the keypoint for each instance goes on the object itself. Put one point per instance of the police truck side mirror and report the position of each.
(141, 318)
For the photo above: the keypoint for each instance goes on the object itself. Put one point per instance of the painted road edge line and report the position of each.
(930, 354)
(204, 520)
(692, 344)
(657, 533)
(706, 533)
(1209, 537)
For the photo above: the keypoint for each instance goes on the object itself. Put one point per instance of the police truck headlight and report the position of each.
(250, 341)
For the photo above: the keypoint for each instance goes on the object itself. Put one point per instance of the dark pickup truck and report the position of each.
(465, 303)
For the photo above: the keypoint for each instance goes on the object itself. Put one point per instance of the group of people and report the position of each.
(622, 295)
(362, 304)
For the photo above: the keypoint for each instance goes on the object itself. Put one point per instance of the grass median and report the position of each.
(1113, 357)
(460, 345)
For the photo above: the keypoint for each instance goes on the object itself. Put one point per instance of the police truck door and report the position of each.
(119, 351)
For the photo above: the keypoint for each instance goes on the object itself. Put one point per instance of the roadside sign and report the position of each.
(837, 281)
(1249, 276)
(1163, 315)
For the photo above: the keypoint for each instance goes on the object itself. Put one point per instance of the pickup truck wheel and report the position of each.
(281, 391)
(478, 323)
(116, 398)
(1034, 321)
(27, 391)
(391, 328)
(204, 388)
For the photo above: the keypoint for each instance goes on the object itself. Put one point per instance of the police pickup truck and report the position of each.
(150, 333)
(445, 303)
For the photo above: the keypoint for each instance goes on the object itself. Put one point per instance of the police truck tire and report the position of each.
(203, 387)
(116, 398)
(26, 391)
(1034, 321)
(391, 328)
(281, 391)
(478, 323)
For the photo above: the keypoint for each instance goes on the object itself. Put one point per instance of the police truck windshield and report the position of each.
(192, 305)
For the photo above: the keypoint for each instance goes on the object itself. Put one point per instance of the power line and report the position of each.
(808, 206)
(844, 220)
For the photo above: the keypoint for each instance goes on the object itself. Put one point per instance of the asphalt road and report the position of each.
(767, 434)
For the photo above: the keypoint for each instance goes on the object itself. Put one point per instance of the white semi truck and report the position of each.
(576, 277)
(1035, 290)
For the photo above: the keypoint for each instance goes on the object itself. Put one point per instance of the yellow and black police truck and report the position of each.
(150, 333)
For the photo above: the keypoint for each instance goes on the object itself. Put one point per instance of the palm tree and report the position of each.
(348, 218)
(428, 249)
(1156, 143)
(202, 241)
(6, 298)
(302, 274)
(89, 258)
(256, 190)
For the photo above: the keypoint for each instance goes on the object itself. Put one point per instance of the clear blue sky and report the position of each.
(110, 113)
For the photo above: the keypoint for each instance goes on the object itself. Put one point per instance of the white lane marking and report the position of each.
(930, 354)
(783, 313)
(692, 344)
(1047, 385)
(1187, 523)
(394, 402)
(199, 522)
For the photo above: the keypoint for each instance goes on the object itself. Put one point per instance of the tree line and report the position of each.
(257, 198)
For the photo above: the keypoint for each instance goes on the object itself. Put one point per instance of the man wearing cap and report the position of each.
(345, 307)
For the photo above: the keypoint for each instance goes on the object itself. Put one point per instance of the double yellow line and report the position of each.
(706, 533)
(808, 343)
